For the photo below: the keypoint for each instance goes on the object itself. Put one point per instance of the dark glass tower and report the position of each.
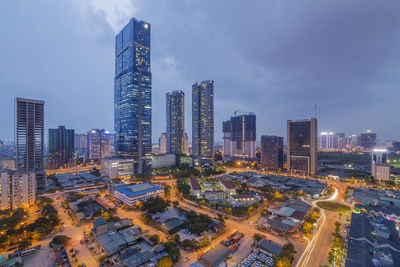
(203, 123)
(272, 152)
(132, 95)
(61, 147)
(243, 136)
(302, 147)
(175, 122)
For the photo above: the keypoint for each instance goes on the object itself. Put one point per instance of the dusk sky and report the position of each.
(274, 58)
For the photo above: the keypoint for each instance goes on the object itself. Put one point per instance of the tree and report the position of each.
(154, 238)
(165, 262)
(175, 238)
(175, 203)
(257, 237)
(95, 171)
(283, 262)
(187, 243)
(25, 243)
(42, 201)
(60, 240)
(172, 250)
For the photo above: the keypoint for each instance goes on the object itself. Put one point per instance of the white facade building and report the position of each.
(23, 189)
(164, 161)
(116, 167)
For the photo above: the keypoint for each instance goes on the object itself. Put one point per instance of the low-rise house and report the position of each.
(196, 189)
(270, 247)
(243, 200)
(215, 195)
(215, 256)
(112, 242)
(372, 241)
(228, 187)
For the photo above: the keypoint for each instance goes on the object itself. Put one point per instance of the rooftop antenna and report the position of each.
(315, 110)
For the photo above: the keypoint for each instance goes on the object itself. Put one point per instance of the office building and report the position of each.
(272, 152)
(380, 170)
(80, 145)
(242, 137)
(185, 144)
(368, 140)
(327, 141)
(117, 168)
(164, 161)
(61, 147)
(203, 123)
(163, 143)
(100, 144)
(302, 147)
(226, 136)
(340, 141)
(175, 129)
(132, 95)
(29, 135)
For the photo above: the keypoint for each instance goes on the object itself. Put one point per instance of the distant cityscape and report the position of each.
(125, 201)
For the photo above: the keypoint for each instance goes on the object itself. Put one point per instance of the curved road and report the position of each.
(317, 250)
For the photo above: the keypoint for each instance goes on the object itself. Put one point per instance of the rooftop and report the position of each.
(194, 183)
(216, 255)
(134, 190)
(227, 184)
(270, 246)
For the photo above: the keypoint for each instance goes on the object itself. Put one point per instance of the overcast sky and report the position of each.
(275, 58)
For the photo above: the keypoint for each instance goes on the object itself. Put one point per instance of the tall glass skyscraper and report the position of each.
(203, 122)
(61, 147)
(132, 95)
(302, 158)
(175, 122)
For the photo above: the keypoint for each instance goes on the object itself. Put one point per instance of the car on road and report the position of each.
(82, 242)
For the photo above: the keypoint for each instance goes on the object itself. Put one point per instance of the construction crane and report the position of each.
(243, 112)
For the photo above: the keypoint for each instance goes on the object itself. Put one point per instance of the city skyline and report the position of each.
(351, 111)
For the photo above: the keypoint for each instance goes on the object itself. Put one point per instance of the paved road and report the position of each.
(45, 254)
(316, 252)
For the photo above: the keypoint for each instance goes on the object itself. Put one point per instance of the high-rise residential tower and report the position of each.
(175, 122)
(132, 95)
(185, 144)
(368, 140)
(203, 123)
(29, 139)
(226, 136)
(302, 142)
(61, 147)
(243, 137)
(272, 152)
(29, 134)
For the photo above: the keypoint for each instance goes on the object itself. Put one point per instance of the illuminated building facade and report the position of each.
(380, 170)
(100, 144)
(302, 147)
(175, 129)
(203, 123)
(132, 95)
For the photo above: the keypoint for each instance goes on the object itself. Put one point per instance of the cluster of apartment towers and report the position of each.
(133, 126)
